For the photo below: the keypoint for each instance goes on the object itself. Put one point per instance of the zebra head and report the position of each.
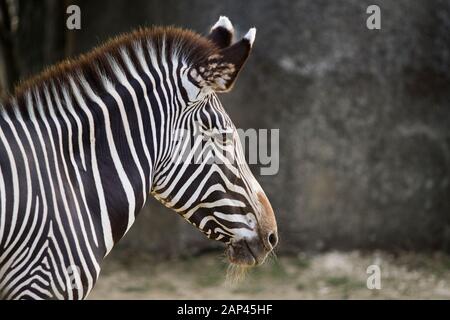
(204, 176)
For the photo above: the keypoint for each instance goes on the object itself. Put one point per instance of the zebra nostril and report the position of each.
(272, 239)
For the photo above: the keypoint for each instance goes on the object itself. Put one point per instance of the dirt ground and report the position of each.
(333, 275)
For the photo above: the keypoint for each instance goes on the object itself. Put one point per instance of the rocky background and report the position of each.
(364, 115)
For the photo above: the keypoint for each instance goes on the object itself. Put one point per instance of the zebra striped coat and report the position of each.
(85, 142)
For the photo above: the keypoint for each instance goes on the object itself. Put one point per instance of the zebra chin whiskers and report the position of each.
(236, 274)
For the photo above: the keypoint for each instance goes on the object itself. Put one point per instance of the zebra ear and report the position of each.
(220, 70)
(222, 32)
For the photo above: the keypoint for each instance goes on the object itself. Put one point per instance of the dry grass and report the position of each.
(332, 275)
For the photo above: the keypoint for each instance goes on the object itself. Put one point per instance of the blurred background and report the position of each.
(364, 119)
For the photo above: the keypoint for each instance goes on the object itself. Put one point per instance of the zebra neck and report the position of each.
(122, 150)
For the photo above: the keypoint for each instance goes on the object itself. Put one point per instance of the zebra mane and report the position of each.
(103, 60)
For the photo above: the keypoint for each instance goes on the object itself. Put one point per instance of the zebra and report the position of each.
(85, 142)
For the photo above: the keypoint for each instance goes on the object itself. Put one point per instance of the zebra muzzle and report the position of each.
(248, 252)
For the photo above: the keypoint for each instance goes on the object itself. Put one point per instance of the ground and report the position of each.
(333, 275)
